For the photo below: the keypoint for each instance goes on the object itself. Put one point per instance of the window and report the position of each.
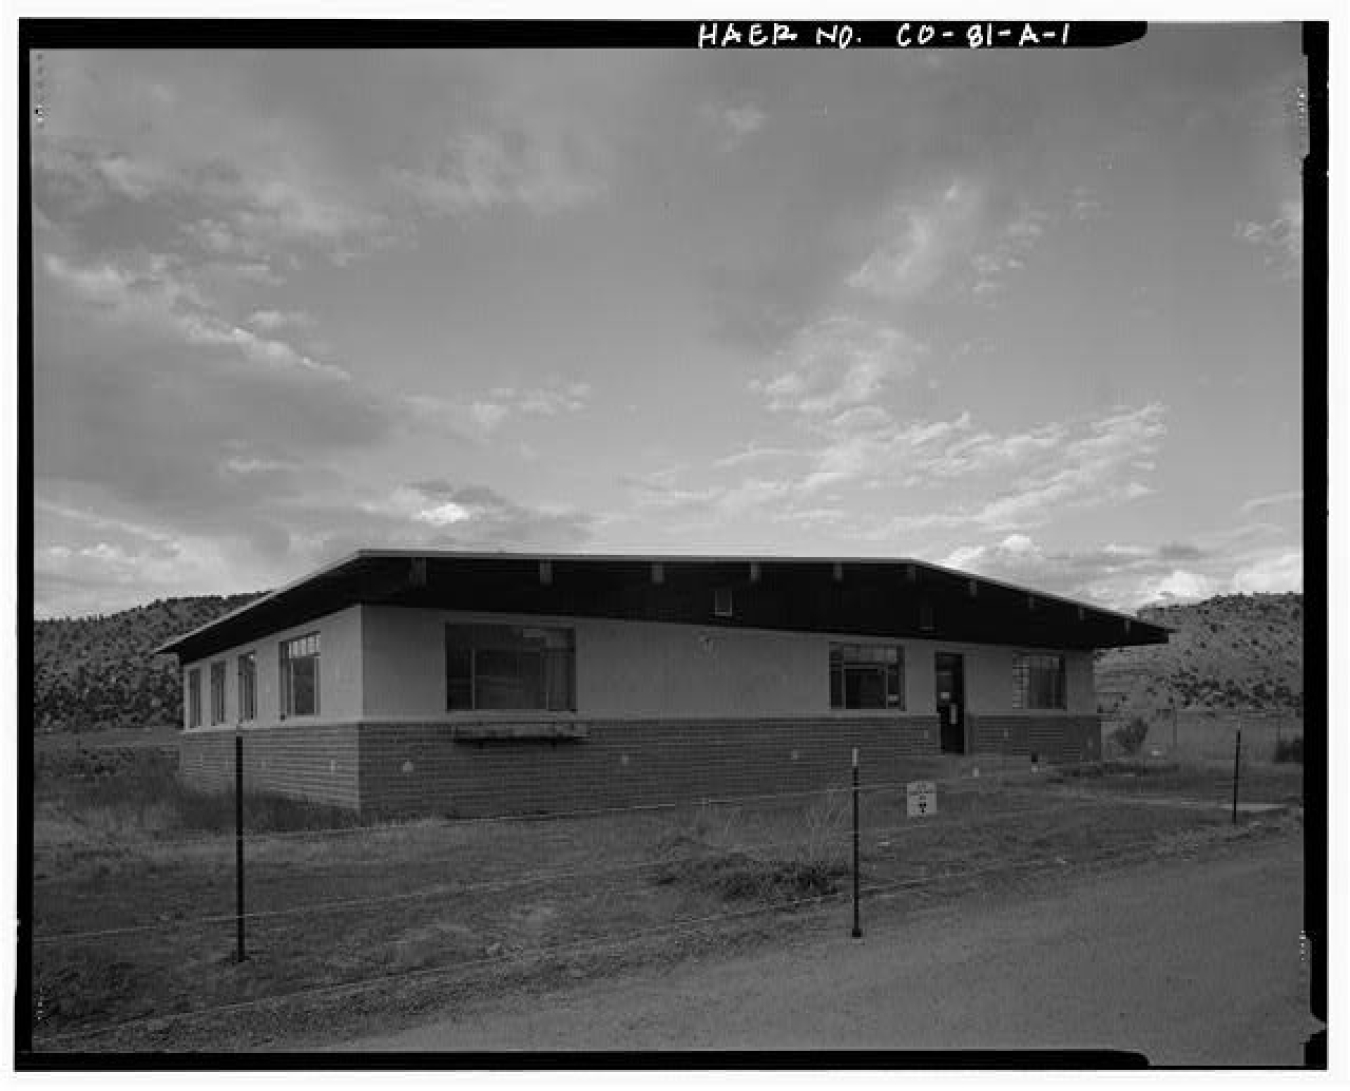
(509, 668)
(300, 676)
(218, 693)
(248, 687)
(194, 697)
(722, 602)
(867, 676)
(1038, 681)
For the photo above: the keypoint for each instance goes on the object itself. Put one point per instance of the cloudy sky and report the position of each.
(1033, 315)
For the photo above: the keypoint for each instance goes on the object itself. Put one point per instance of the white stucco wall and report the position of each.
(643, 669)
(688, 670)
(650, 669)
(340, 696)
(382, 662)
(989, 679)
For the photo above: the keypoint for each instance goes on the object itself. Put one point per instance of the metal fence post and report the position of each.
(1237, 765)
(239, 843)
(857, 924)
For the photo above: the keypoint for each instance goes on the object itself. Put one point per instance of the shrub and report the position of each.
(1287, 750)
(1130, 736)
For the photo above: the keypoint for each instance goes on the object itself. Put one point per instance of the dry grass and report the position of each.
(501, 904)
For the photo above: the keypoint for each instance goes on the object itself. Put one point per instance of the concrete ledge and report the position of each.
(527, 730)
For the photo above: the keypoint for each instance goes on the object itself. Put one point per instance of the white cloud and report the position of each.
(481, 416)
(1009, 250)
(734, 123)
(443, 515)
(274, 206)
(1276, 571)
(156, 291)
(1257, 503)
(1084, 470)
(1130, 575)
(1281, 239)
(923, 239)
(837, 363)
(271, 320)
(1177, 586)
(546, 171)
(1085, 205)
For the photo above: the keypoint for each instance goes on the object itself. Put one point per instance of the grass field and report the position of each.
(134, 887)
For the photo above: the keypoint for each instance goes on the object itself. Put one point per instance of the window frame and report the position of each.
(248, 710)
(724, 602)
(847, 656)
(1024, 665)
(217, 692)
(473, 638)
(287, 659)
(194, 697)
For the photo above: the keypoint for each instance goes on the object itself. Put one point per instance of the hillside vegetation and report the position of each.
(1233, 651)
(98, 672)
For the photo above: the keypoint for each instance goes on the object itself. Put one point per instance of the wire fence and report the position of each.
(1201, 734)
(150, 930)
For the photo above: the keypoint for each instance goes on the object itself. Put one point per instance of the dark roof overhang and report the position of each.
(862, 596)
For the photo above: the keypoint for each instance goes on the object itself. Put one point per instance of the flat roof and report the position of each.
(874, 596)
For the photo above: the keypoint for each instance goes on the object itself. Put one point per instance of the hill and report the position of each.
(98, 672)
(1233, 651)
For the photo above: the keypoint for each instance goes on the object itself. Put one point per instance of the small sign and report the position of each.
(920, 798)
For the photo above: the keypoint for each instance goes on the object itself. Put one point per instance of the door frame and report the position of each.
(957, 664)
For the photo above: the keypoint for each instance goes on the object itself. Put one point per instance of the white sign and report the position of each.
(920, 798)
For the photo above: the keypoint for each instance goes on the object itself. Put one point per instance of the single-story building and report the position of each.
(478, 683)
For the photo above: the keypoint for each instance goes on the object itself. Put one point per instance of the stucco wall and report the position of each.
(638, 669)
(389, 663)
(340, 697)
(989, 679)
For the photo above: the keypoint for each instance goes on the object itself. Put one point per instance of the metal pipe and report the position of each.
(857, 923)
(240, 955)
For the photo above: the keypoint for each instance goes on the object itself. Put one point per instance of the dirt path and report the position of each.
(1187, 961)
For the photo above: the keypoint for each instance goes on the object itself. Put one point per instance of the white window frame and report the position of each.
(1023, 665)
(194, 697)
(248, 710)
(217, 692)
(290, 652)
(894, 697)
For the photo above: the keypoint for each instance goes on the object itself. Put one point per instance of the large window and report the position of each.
(218, 693)
(248, 687)
(1038, 681)
(194, 697)
(509, 668)
(300, 676)
(867, 676)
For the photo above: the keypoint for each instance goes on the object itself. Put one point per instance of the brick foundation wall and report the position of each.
(304, 761)
(402, 768)
(408, 768)
(1057, 738)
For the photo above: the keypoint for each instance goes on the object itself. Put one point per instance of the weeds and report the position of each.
(709, 854)
(1129, 737)
(123, 794)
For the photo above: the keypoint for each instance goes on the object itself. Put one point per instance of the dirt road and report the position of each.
(1186, 961)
